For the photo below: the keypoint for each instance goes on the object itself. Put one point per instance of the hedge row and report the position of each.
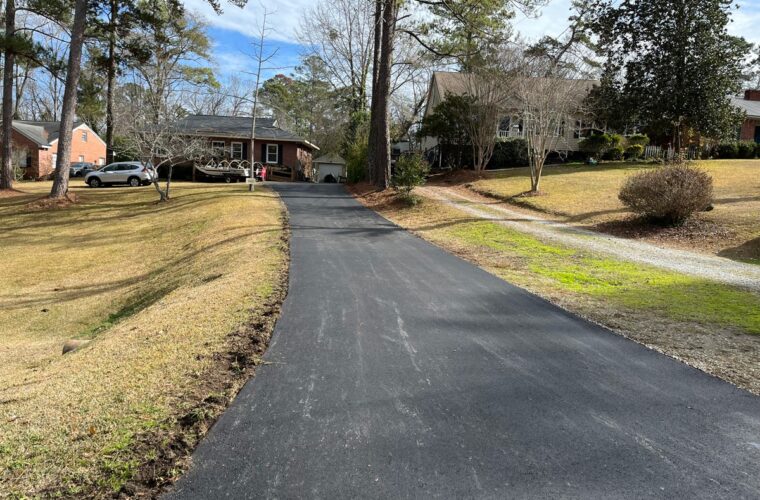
(735, 150)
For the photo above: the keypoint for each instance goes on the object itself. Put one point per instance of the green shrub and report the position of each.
(634, 152)
(668, 195)
(616, 140)
(409, 172)
(356, 161)
(614, 153)
(638, 140)
(595, 144)
(510, 153)
(745, 150)
(727, 150)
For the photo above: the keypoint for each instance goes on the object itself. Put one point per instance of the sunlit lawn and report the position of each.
(157, 288)
(588, 195)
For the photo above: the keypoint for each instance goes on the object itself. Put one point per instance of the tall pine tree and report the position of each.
(670, 67)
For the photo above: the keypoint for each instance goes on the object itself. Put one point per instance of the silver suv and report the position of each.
(132, 173)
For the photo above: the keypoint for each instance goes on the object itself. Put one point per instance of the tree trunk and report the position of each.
(382, 157)
(74, 67)
(6, 175)
(111, 81)
(169, 180)
(373, 131)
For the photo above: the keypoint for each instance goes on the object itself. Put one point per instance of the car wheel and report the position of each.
(134, 182)
(227, 179)
(94, 182)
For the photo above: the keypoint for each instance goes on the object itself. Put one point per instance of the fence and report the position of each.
(692, 153)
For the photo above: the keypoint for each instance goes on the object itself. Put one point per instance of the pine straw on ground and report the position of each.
(178, 299)
(688, 319)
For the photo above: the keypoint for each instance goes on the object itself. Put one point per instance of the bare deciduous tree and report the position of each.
(156, 143)
(489, 91)
(547, 107)
(340, 33)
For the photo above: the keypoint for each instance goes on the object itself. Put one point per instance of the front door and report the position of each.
(757, 134)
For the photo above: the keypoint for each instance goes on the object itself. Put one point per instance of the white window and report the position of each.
(84, 136)
(81, 158)
(217, 147)
(101, 161)
(54, 160)
(582, 129)
(237, 150)
(273, 153)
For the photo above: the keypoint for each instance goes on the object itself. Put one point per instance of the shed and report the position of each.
(329, 164)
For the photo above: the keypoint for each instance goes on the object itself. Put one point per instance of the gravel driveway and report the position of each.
(682, 261)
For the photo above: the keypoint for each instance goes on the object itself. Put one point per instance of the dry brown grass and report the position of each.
(588, 195)
(158, 288)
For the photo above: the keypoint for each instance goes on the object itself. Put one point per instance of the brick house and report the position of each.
(231, 137)
(40, 141)
(750, 104)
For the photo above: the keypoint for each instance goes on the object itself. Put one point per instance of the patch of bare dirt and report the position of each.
(52, 203)
(697, 230)
(10, 193)
(369, 195)
(455, 177)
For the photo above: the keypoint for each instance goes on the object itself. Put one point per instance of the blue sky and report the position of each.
(233, 32)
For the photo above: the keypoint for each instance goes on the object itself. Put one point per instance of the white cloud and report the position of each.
(553, 21)
(747, 21)
(283, 18)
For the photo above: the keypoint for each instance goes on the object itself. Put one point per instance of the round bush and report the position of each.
(727, 150)
(638, 140)
(668, 195)
(634, 151)
(614, 153)
(510, 153)
(745, 150)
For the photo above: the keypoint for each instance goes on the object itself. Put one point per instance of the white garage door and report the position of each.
(330, 168)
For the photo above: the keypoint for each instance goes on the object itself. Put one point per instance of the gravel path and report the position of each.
(691, 263)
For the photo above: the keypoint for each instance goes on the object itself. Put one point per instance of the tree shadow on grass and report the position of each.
(93, 290)
(749, 251)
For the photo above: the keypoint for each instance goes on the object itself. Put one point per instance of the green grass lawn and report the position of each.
(157, 288)
(588, 195)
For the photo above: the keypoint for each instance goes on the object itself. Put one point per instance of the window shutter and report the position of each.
(279, 154)
(264, 153)
(245, 150)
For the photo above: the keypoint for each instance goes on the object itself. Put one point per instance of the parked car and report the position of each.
(133, 173)
(81, 168)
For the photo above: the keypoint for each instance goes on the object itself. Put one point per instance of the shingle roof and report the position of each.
(330, 158)
(752, 108)
(42, 133)
(238, 127)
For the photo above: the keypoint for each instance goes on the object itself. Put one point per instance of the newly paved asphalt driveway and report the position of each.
(398, 370)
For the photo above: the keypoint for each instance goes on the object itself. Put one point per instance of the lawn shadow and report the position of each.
(749, 251)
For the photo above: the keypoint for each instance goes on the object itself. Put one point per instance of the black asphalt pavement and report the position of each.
(400, 371)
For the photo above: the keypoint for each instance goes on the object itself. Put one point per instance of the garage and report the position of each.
(330, 166)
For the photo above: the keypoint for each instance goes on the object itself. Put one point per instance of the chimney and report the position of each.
(752, 95)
